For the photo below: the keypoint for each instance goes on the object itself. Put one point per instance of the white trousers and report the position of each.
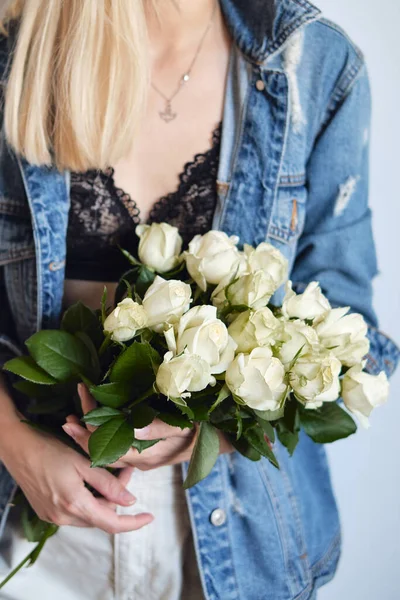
(156, 562)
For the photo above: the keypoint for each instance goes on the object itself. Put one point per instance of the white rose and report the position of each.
(252, 329)
(160, 246)
(315, 379)
(178, 376)
(362, 392)
(257, 379)
(253, 290)
(165, 302)
(203, 334)
(308, 305)
(345, 335)
(296, 336)
(125, 320)
(269, 259)
(211, 257)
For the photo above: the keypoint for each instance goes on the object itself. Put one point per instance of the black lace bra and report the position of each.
(103, 217)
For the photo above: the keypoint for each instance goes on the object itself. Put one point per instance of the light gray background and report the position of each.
(366, 468)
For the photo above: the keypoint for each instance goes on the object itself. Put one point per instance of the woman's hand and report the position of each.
(52, 477)
(176, 445)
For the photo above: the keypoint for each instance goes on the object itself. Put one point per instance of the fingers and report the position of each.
(109, 486)
(88, 403)
(157, 429)
(125, 475)
(107, 519)
(78, 433)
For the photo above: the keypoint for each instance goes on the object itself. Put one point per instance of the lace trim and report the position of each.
(98, 221)
(184, 177)
(123, 196)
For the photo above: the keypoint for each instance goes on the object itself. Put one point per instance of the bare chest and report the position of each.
(164, 145)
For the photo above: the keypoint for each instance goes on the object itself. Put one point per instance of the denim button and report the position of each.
(218, 517)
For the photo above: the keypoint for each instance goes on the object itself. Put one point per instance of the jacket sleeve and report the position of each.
(337, 247)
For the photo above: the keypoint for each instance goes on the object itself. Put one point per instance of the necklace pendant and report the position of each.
(167, 115)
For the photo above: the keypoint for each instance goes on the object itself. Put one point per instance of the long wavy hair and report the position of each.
(78, 80)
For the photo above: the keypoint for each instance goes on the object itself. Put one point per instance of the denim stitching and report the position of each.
(278, 519)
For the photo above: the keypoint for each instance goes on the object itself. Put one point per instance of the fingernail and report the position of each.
(127, 497)
(68, 429)
(142, 434)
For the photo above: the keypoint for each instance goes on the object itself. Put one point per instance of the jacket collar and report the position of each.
(260, 27)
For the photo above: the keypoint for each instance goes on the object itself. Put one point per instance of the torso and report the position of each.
(160, 151)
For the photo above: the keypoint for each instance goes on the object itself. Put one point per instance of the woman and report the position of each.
(105, 102)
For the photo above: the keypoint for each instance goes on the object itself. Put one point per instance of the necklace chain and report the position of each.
(168, 115)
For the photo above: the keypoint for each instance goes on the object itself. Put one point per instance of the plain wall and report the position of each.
(366, 468)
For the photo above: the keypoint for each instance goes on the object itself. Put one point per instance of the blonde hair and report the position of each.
(78, 80)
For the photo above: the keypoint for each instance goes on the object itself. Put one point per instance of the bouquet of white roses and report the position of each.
(193, 340)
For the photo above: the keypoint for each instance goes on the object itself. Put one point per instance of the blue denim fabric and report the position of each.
(295, 134)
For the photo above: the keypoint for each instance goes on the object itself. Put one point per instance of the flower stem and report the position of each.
(105, 344)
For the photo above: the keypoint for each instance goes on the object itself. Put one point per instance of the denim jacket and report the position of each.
(293, 171)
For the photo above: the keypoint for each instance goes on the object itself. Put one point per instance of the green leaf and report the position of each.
(223, 394)
(130, 277)
(99, 416)
(183, 407)
(228, 426)
(295, 359)
(288, 438)
(142, 445)
(80, 317)
(200, 406)
(327, 424)
(113, 395)
(144, 280)
(204, 456)
(26, 367)
(128, 288)
(110, 441)
(175, 420)
(245, 448)
(33, 527)
(239, 424)
(142, 415)
(291, 415)
(50, 530)
(49, 406)
(34, 390)
(136, 365)
(267, 428)
(95, 371)
(60, 354)
(31, 558)
(255, 437)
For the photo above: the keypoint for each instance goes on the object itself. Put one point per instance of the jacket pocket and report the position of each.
(289, 211)
(16, 236)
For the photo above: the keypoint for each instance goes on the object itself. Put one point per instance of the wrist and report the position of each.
(13, 436)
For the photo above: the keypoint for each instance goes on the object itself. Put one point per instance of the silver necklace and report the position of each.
(168, 115)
